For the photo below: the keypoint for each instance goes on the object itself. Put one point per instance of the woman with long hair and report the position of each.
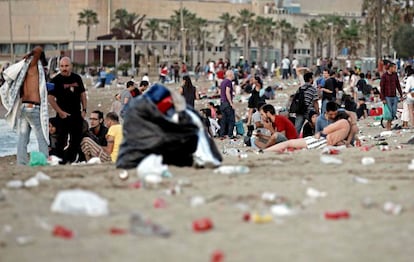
(188, 91)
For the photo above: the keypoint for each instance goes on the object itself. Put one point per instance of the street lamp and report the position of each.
(184, 42)
(73, 33)
(27, 26)
(330, 24)
(246, 41)
(11, 34)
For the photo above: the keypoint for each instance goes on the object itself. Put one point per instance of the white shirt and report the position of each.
(285, 63)
(295, 63)
(409, 86)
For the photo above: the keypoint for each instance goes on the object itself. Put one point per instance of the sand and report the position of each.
(369, 234)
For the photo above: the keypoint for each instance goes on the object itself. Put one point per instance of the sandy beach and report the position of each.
(301, 189)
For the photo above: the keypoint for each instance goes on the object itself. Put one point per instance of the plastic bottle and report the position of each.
(14, 184)
(228, 170)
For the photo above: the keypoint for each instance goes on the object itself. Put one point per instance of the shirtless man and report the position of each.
(34, 113)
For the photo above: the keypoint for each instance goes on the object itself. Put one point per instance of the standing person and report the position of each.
(26, 103)
(389, 85)
(285, 68)
(163, 73)
(126, 96)
(188, 91)
(226, 106)
(329, 90)
(68, 99)
(176, 69)
(183, 69)
(295, 64)
(311, 101)
(197, 71)
(116, 104)
(102, 77)
(408, 108)
(254, 99)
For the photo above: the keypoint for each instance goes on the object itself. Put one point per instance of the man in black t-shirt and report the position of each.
(329, 90)
(68, 99)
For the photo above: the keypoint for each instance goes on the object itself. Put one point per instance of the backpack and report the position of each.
(298, 104)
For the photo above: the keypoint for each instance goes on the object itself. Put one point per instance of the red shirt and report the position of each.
(282, 123)
(390, 85)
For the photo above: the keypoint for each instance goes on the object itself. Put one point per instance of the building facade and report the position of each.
(54, 23)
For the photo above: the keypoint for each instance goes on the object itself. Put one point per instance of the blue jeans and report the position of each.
(29, 119)
(323, 109)
(299, 120)
(392, 102)
(228, 120)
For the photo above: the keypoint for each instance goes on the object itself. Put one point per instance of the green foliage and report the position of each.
(403, 41)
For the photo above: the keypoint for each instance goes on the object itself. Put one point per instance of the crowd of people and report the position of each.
(331, 102)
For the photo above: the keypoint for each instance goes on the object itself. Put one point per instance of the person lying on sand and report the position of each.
(341, 132)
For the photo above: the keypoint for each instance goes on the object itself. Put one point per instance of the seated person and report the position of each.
(330, 114)
(308, 128)
(210, 123)
(97, 129)
(113, 138)
(341, 132)
(280, 127)
(362, 110)
(53, 136)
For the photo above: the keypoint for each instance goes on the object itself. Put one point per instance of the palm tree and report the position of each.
(243, 25)
(127, 25)
(175, 22)
(350, 38)
(331, 26)
(226, 21)
(196, 33)
(284, 27)
(391, 24)
(154, 29)
(292, 38)
(88, 18)
(261, 28)
(312, 32)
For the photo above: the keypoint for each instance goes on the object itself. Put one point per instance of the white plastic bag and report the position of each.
(151, 165)
(79, 202)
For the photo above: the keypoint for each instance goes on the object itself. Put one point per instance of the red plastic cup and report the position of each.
(337, 215)
(203, 224)
(160, 203)
(62, 232)
(246, 217)
(117, 231)
(217, 256)
(135, 185)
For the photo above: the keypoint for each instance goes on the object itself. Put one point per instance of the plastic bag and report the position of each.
(152, 165)
(79, 202)
(386, 115)
(37, 159)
